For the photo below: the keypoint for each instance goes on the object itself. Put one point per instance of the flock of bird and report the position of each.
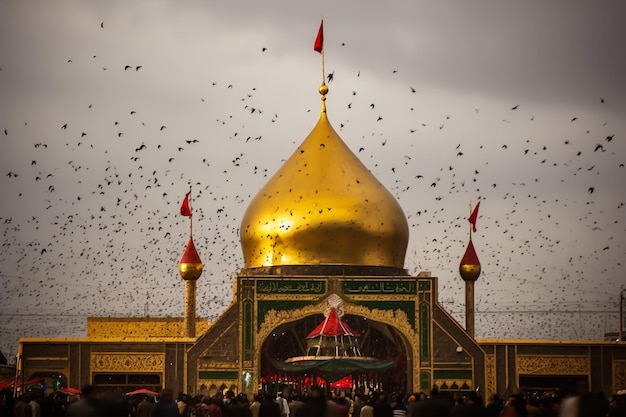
(89, 222)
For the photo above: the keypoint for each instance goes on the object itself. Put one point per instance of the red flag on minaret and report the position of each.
(472, 218)
(185, 210)
(319, 41)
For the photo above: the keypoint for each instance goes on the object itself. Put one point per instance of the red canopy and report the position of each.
(332, 326)
(30, 382)
(142, 391)
(71, 391)
(7, 383)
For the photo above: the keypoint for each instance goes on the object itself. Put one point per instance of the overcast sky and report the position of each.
(499, 102)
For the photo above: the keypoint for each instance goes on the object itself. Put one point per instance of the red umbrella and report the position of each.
(7, 383)
(71, 391)
(142, 391)
(30, 382)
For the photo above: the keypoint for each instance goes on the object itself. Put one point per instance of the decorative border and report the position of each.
(490, 374)
(552, 365)
(127, 362)
(619, 375)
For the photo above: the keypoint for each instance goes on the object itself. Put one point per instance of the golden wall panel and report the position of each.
(127, 362)
(552, 365)
(144, 328)
(619, 375)
(490, 375)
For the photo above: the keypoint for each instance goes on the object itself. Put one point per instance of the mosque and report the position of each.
(323, 298)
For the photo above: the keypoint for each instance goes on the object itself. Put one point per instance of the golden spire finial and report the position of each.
(323, 91)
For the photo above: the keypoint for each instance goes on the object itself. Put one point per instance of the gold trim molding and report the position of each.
(619, 375)
(552, 365)
(127, 362)
(218, 383)
(490, 374)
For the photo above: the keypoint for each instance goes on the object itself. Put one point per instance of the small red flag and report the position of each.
(472, 218)
(319, 41)
(184, 208)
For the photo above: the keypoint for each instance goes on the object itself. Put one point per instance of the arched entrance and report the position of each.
(377, 339)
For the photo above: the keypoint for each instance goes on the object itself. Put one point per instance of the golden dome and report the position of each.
(190, 266)
(470, 265)
(324, 207)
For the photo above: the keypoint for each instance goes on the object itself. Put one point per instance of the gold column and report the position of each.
(189, 321)
(469, 307)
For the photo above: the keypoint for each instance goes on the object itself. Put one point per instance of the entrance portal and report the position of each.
(376, 340)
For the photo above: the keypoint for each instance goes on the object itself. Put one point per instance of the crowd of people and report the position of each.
(317, 402)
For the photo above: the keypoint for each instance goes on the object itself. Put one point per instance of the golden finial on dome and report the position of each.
(323, 91)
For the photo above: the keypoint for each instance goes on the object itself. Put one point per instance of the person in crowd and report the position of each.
(382, 408)
(6, 404)
(584, 403)
(518, 402)
(295, 403)
(434, 406)
(256, 405)
(239, 407)
(340, 407)
(357, 404)
(87, 405)
(412, 405)
(166, 407)
(316, 405)
(398, 408)
(494, 407)
(22, 407)
(182, 402)
(145, 407)
(269, 407)
(34, 404)
(618, 405)
(532, 407)
(283, 403)
(368, 409)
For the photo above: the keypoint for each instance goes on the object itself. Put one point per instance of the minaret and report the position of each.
(470, 271)
(190, 269)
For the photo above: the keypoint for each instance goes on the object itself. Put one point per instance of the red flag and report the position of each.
(184, 208)
(319, 41)
(472, 218)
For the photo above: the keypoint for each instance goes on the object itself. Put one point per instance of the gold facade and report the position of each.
(552, 365)
(323, 206)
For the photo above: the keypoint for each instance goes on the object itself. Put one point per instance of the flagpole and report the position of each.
(323, 72)
(470, 225)
(190, 215)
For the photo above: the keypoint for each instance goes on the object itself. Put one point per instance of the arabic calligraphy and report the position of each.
(267, 286)
(379, 287)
